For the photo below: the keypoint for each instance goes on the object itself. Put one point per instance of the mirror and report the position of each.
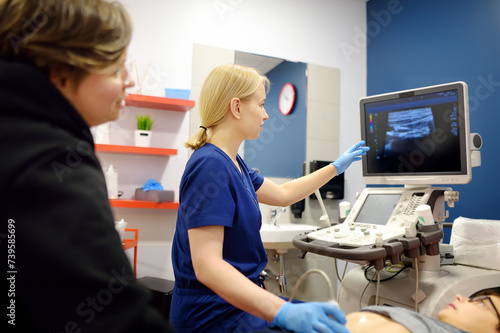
(280, 149)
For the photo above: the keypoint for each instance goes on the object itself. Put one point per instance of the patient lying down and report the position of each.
(477, 314)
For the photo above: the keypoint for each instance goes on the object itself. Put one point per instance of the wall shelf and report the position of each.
(147, 102)
(159, 103)
(122, 203)
(135, 150)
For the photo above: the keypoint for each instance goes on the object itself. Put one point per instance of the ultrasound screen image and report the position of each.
(413, 135)
(405, 127)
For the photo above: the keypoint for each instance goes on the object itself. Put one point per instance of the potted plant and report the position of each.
(143, 131)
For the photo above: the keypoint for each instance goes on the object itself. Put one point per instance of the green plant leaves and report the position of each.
(144, 122)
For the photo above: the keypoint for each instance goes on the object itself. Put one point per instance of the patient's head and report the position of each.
(478, 313)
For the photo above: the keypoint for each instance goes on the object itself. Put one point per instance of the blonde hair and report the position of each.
(220, 87)
(78, 36)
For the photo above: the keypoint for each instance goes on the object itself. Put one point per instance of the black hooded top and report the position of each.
(65, 268)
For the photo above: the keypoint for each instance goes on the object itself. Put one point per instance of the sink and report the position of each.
(279, 237)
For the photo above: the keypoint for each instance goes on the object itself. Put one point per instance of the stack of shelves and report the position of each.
(150, 102)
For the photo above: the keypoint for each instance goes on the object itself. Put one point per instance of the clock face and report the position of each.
(287, 98)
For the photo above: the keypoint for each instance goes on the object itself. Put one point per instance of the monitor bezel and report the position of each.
(462, 177)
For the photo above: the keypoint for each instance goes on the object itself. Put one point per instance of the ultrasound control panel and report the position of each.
(396, 207)
(384, 214)
(356, 234)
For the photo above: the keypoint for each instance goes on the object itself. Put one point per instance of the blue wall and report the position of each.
(419, 43)
(280, 149)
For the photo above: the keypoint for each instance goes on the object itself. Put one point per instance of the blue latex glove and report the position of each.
(311, 317)
(152, 185)
(352, 154)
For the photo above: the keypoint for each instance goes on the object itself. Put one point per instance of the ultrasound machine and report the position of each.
(420, 145)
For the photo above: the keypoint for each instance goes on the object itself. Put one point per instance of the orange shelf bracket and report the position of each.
(132, 243)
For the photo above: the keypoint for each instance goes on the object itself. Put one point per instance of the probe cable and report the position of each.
(340, 280)
(366, 287)
(377, 288)
(306, 274)
(415, 263)
(337, 270)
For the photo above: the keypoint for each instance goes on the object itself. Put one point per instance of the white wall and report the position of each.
(321, 32)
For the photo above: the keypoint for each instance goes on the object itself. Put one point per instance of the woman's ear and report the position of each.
(235, 107)
(58, 79)
(63, 82)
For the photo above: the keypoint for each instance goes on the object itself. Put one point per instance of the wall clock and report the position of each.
(286, 99)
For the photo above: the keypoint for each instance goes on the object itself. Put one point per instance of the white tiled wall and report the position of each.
(205, 58)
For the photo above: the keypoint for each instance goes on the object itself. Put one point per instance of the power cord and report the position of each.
(387, 270)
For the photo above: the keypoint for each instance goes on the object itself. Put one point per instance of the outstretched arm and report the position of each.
(288, 193)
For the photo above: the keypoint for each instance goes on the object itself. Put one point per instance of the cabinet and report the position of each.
(146, 102)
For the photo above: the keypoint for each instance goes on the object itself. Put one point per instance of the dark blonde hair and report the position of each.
(494, 291)
(220, 87)
(78, 36)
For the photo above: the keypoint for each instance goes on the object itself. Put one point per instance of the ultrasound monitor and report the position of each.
(417, 137)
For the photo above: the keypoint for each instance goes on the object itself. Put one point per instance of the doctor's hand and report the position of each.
(311, 317)
(352, 154)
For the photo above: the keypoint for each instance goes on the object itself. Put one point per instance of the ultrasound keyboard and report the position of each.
(356, 234)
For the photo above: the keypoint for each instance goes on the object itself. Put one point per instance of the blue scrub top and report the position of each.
(214, 192)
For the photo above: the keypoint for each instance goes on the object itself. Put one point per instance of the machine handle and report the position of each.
(361, 255)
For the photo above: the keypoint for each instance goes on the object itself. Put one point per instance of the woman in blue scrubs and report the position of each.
(217, 251)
